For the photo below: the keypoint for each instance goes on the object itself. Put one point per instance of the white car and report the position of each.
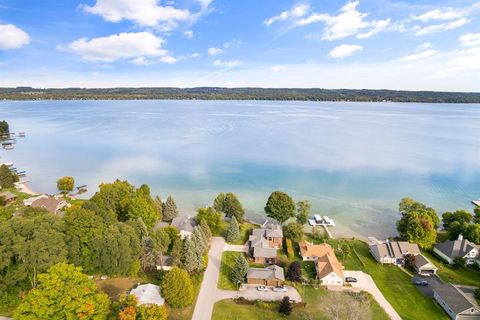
(280, 289)
(262, 288)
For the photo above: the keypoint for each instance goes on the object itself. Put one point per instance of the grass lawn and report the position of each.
(463, 275)
(317, 302)
(396, 286)
(228, 262)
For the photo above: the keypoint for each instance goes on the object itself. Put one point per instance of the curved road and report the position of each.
(208, 290)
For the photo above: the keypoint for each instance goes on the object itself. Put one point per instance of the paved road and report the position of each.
(433, 282)
(236, 247)
(366, 283)
(204, 306)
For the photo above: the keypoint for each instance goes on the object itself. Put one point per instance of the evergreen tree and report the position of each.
(206, 229)
(200, 240)
(285, 306)
(190, 256)
(177, 288)
(232, 207)
(218, 202)
(7, 177)
(239, 270)
(177, 252)
(233, 231)
(170, 210)
(159, 206)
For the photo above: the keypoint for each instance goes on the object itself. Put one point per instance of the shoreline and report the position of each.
(25, 188)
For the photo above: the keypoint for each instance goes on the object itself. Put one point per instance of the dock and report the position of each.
(324, 222)
(476, 202)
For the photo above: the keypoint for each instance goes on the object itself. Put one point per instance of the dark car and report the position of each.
(420, 282)
(350, 279)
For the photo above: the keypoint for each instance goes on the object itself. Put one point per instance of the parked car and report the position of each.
(350, 279)
(280, 289)
(420, 282)
(262, 288)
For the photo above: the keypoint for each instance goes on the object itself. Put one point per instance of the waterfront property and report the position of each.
(449, 250)
(329, 270)
(269, 276)
(52, 204)
(8, 197)
(264, 242)
(148, 294)
(396, 252)
(456, 303)
(185, 225)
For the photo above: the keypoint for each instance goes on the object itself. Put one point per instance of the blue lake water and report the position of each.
(353, 161)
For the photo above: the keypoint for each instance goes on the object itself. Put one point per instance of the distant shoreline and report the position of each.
(239, 94)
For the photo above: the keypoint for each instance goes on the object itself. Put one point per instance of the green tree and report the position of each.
(303, 211)
(200, 240)
(7, 177)
(285, 306)
(280, 206)
(152, 312)
(294, 272)
(170, 210)
(408, 205)
(64, 292)
(293, 231)
(4, 129)
(239, 271)
(81, 228)
(460, 216)
(218, 202)
(177, 252)
(472, 233)
(206, 229)
(455, 229)
(417, 228)
(191, 261)
(476, 217)
(65, 184)
(177, 288)
(141, 207)
(116, 197)
(212, 217)
(159, 206)
(233, 231)
(232, 207)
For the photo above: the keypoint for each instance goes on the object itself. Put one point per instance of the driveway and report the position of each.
(251, 293)
(433, 282)
(366, 283)
(236, 247)
(205, 301)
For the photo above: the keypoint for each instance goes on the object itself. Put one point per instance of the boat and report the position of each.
(21, 134)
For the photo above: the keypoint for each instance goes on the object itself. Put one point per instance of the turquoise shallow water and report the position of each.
(354, 161)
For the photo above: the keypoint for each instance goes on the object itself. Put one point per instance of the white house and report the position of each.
(148, 294)
(456, 303)
(185, 225)
(449, 250)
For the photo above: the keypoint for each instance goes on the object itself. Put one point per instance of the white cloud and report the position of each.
(195, 55)
(146, 13)
(348, 22)
(470, 39)
(277, 68)
(296, 12)
(441, 27)
(188, 34)
(440, 14)
(425, 45)
(168, 59)
(234, 43)
(213, 51)
(118, 46)
(419, 56)
(12, 37)
(344, 50)
(140, 61)
(227, 64)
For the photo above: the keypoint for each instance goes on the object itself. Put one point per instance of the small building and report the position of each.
(423, 266)
(269, 276)
(148, 294)
(449, 250)
(52, 204)
(393, 252)
(185, 225)
(8, 197)
(264, 242)
(456, 303)
(329, 269)
(311, 252)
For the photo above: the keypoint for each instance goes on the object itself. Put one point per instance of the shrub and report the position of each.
(477, 294)
(294, 271)
(290, 252)
(458, 262)
(177, 288)
(285, 306)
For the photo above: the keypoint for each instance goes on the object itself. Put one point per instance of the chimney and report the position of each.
(460, 237)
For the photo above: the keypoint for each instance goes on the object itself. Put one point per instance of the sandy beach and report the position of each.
(24, 187)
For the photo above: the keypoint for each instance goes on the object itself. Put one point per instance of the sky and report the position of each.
(374, 44)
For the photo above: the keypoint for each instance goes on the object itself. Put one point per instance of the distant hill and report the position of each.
(215, 93)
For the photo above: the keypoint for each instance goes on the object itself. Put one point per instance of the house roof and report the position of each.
(51, 204)
(260, 252)
(274, 231)
(148, 294)
(271, 272)
(160, 224)
(7, 195)
(454, 298)
(395, 249)
(184, 223)
(421, 262)
(456, 248)
(327, 264)
(308, 249)
(258, 241)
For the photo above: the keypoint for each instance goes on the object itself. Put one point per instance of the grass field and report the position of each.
(228, 262)
(456, 276)
(396, 286)
(318, 302)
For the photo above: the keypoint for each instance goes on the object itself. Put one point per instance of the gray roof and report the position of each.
(421, 261)
(260, 252)
(160, 224)
(274, 231)
(395, 249)
(184, 223)
(148, 294)
(271, 272)
(454, 298)
(456, 248)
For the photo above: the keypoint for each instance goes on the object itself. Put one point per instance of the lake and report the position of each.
(353, 161)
